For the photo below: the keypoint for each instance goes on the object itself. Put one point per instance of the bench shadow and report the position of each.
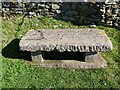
(12, 51)
(55, 55)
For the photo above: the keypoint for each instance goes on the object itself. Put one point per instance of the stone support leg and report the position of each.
(91, 56)
(37, 56)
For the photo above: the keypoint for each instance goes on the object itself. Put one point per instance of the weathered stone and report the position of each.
(69, 10)
(36, 35)
(37, 56)
(42, 5)
(47, 6)
(58, 11)
(91, 56)
(98, 63)
(55, 6)
(81, 40)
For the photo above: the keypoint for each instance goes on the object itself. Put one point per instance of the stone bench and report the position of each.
(90, 41)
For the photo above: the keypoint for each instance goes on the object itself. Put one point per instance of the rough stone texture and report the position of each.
(36, 56)
(76, 40)
(76, 12)
(55, 6)
(91, 56)
(99, 63)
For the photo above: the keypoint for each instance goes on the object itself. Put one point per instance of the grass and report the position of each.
(16, 74)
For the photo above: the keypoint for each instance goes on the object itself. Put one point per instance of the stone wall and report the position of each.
(76, 12)
(111, 14)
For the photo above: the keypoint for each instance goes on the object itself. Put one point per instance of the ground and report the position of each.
(16, 74)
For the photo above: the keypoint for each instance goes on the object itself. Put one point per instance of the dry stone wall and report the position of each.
(75, 12)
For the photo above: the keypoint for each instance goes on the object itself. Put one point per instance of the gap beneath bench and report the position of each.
(77, 60)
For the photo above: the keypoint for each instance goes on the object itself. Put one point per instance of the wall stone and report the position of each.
(76, 12)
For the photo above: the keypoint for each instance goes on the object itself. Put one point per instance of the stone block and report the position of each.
(37, 56)
(91, 56)
(55, 6)
(71, 40)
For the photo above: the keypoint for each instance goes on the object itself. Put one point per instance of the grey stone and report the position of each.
(91, 56)
(37, 56)
(55, 6)
(58, 11)
(98, 63)
(69, 10)
(76, 40)
(47, 6)
(42, 5)
(35, 35)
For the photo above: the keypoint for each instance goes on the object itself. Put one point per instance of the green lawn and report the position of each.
(16, 74)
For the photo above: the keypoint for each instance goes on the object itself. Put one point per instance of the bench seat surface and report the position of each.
(76, 40)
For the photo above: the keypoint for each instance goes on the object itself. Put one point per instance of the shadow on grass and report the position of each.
(12, 50)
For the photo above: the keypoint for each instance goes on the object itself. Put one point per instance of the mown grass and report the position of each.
(16, 74)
